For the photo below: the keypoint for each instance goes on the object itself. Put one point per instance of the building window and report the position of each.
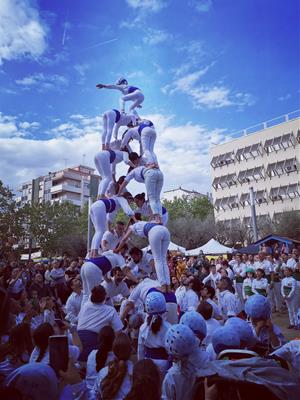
(260, 197)
(279, 142)
(247, 152)
(223, 181)
(285, 192)
(253, 174)
(282, 167)
(226, 203)
(222, 159)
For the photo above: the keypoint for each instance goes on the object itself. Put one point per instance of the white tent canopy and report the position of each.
(172, 247)
(211, 247)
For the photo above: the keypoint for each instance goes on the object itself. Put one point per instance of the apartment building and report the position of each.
(180, 193)
(268, 161)
(74, 184)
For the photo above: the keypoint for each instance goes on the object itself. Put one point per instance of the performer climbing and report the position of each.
(159, 240)
(106, 161)
(103, 212)
(112, 121)
(143, 208)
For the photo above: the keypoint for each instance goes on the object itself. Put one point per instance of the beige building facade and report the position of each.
(267, 160)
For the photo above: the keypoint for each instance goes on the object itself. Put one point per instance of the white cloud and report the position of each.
(182, 151)
(207, 95)
(22, 33)
(9, 127)
(29, 125)
(147, 5)
(285, 97)
(201, 6)
(156, 36)
(43, 82)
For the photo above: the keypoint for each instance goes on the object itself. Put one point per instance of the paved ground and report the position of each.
(282, 320)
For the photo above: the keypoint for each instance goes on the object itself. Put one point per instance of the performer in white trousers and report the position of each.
(93, 270)
(239, 270)
(143, 207)
(289, 293)
(130, 93)
(153, 179)
(146, 136)
(159, 240)
(106, 161)
(112, 120)
(103, 212)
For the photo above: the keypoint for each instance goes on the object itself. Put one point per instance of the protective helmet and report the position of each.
(155, 303)
(252, 270)
(180, 341)
(244, 329)
(196, 322)
(258, 306)
(122, 81)
(225, 338)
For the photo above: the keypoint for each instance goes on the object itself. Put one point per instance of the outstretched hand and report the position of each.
(99, 86)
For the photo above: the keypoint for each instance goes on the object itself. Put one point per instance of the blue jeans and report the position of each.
(154, 180)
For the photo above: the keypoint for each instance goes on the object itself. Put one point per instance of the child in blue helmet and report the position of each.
(180, 343)
(223, 338)
(258, 309)
(130, 93)
(245, 331)
(151, 342)
(199, 358)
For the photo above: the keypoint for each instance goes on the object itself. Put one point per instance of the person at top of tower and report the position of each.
(112, 121)
(130, 93)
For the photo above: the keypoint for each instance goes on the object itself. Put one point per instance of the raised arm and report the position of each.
(116, 87)
(126, 138)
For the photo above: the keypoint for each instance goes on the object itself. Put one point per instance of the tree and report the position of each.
(288, 224)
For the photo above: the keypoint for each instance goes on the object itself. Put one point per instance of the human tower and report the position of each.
(113, 195)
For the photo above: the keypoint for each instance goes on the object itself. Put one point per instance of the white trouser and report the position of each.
(154, 180)
(297, 295)
(98, 216)
(109, 119)
(91, 276)
(292, 309)
(103, 165)
(239, 290)
(148, 137)
(159, 240)
(137, 97)
(277, 296)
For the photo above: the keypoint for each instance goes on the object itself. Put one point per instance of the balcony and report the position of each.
(253, 174)
(282, 167)
(226, 203)
(248, 152)
(66, 187)
(285, 192)
(228, 180)
(280, 143)
(66, 174)
(223, 159)
(260, 197)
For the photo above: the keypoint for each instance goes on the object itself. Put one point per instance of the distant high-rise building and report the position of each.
(268, 161)
(74, 184)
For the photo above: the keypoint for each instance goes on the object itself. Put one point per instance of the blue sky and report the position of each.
(207, 68)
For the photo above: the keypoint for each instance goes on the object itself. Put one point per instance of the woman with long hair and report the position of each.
(16, 351)
(145, 382)
(100, 357)
(114, 381)
(151, 342)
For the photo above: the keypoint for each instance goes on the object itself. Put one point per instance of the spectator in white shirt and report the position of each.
(73, 303)
(95, 314)
(206, 310)
(193, 291)
(115, 286)
(100, 357)
(180, 294)
(142, 263)
(208, 294)
(289, 293)
(16, 284)
(229, 304)
(260, 284)
(213, 277)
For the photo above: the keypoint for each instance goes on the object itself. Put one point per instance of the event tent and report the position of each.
(211, 247)
(172, 247)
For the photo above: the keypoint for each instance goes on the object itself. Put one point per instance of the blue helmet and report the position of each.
(244, 329)
(196, 322)
(225, 338)
(258, 306)
(180, 341)
(155, 303)
(122, 81)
